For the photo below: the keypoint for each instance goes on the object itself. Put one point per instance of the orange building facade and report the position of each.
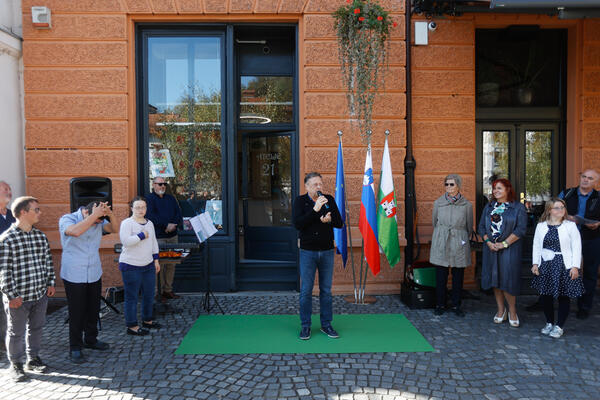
(84, 86)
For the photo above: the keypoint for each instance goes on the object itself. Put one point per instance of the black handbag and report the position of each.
(475, 241)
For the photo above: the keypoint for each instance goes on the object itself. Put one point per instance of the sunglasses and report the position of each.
(449, 184)
(161, 184)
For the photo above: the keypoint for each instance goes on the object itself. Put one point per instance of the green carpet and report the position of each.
(263, 334)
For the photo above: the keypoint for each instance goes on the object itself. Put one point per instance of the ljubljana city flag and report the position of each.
(367, 223)
(340, 234)
(386, 211)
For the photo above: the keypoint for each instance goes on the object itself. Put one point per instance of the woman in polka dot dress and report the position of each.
(556, 262)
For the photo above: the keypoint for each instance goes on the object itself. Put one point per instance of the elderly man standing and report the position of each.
(583, 203)
(165, 214)
(6, 220)
(26, 281)
(81, 272)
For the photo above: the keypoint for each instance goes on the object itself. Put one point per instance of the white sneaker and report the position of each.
(547, 329)
(556, 332)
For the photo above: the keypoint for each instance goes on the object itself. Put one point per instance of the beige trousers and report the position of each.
(167, 268)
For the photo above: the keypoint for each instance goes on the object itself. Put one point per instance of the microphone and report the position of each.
(319, 193)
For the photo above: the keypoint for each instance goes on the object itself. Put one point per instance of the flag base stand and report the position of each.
(366, 301)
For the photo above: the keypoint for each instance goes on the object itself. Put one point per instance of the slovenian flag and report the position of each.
(340, 234)
(367, 223)
(386, 211)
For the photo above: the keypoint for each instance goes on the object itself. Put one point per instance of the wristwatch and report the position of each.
(505, 243)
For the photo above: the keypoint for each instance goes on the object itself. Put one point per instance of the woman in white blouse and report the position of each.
(139, 265)
(556, 262)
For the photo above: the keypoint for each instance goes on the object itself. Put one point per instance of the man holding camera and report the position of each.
(81, 271)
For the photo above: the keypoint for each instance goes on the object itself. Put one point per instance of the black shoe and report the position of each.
(139, 332)
(77, 357)
(16, 372)
(582, 314)
(458, 312)
(439, 310)
(329, 331)
(153, 325)
(537, 306)
(36, 365)
(99, 345)
(305, 333)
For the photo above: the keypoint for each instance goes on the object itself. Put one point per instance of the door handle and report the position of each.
(522, 197)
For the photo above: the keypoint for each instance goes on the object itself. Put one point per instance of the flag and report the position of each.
(367, 223)
(340, 234)
(386, 211)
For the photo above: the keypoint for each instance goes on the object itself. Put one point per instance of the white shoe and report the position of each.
(514, 323)
(499, 320)
(556, 332)
(547, 329)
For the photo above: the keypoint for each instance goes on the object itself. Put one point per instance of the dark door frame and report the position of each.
(224, 244)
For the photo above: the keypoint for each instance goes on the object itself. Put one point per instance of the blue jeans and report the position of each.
(591, 261)
(310, 261)
(133, 281)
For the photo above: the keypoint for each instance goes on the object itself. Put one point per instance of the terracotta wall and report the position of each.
(80, 103)
(590, 115)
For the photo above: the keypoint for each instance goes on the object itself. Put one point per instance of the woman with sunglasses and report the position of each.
(452, 226)
(502, 225)
(556, 260)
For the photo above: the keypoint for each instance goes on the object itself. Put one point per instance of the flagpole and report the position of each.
(361, 291)
(348, 227)
(362, 259)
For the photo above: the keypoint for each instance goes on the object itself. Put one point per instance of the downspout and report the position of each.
(409, 161)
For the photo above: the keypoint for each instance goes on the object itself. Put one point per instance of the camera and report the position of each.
(432, 26)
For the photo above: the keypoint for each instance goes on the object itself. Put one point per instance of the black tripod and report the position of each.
(208, 293)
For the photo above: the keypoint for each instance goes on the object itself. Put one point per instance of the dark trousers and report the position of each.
(564, 304)
(441, 279)
(84, 306)
(591, 261)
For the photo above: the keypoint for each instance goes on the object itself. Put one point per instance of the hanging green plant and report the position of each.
(362, 28)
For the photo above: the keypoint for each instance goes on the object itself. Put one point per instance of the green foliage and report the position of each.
(538, 164)
(192, 134)
(362, 28)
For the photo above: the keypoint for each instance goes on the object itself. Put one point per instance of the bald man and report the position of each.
(583, 201)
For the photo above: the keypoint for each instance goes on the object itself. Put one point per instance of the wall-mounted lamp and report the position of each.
(40, 17)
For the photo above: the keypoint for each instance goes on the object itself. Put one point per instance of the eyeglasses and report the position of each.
(161, 183)
(37, 210)
(449, 184)
(558, 208)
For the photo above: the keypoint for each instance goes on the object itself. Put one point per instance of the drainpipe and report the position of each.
(409, 161)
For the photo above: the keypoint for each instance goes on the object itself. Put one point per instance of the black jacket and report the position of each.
(592, 210)
(315, 235)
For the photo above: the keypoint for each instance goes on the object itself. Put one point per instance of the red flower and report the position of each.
(181, 164)
(197, 164)
(179, 139)
(380, 18)
(361, 19)
(348, 1)
(357, 11)
(395, 24)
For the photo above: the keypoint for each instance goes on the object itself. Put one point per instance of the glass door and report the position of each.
(524, 153)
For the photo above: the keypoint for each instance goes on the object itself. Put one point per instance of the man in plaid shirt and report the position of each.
(26, 281)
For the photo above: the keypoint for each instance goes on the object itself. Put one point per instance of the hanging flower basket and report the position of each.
(362, 28)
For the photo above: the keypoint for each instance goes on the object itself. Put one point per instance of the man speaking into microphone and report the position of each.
(314, 216)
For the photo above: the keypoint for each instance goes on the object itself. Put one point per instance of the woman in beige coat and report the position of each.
(452, 226)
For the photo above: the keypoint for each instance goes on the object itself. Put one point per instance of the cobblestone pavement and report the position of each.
(474, 359)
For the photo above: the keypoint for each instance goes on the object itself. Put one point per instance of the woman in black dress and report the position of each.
(556, 261)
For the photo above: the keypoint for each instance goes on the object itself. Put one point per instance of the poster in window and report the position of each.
(161, 164)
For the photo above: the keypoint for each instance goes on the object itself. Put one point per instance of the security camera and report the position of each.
(432, 26)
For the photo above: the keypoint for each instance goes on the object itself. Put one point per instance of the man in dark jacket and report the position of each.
(165, 214)
(6, 220)
(583, 205)
(315, 215)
